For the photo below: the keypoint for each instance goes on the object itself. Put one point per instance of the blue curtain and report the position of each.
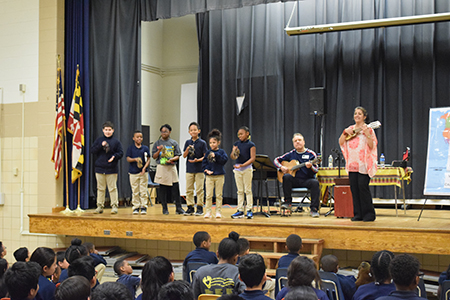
(77, 53)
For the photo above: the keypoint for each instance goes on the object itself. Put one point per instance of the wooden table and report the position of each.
(385, 176)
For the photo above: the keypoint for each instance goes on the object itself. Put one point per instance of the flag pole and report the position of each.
(79, 210)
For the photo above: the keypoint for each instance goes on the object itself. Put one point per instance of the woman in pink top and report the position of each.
(360, 153)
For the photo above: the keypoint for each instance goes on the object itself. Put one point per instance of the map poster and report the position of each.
(437, 173)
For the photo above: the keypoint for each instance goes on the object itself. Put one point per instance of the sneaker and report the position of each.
(249, 214)
(207, 215)
(190, 211)
(315, 214)
(98, 210)
(165, 211)
(114, 210)
(237, 215)
(218, 215)
(199, 211)
(136, 211)
(143, 211)
(180, 211)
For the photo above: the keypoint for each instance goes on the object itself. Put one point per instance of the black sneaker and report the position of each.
(190, 211)
(180, 211)
(136, 211)
(143, 211)
(165, 211)
(199, 211)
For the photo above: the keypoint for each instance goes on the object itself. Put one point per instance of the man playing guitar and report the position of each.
(304, 177)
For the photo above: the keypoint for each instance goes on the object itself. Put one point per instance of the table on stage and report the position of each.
(385, 176)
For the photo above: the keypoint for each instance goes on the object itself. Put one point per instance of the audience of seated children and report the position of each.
(404, 270)
(3, 268)
(99, 261)
(22, 254)
(112, 291)
(124, 271)
(73, 288)
(202, 242)
(330, 263)
(252, 271)
(22, 280)
(301, 272)
(301, 293)
(83, 266)
(75, 251)
(293, 245)
(222, 278)
(176, 290)
(46, 258)
(382, 286)
(156, 272)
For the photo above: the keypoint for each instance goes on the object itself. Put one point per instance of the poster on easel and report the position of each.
(437, 172)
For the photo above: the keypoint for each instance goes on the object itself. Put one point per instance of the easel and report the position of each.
(263, 169)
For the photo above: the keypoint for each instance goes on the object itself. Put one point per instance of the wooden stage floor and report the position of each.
(430, 235)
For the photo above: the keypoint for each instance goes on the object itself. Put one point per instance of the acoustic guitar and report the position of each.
(373, 125)
(295, 165)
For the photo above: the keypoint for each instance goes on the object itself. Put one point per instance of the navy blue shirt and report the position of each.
(372, 291)
(198, 255)
(348, 285)
(134, 152)
(399, 295)
(217, 166)
(307, 155)
(98, 259)
(63, 276)
(102, 165)
(200, 149)
(131, 282)
(244, 149)
(285, 260)
(254, 295)
(46, 289)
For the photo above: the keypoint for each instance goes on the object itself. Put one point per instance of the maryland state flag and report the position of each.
(59, 126)
(75, 125)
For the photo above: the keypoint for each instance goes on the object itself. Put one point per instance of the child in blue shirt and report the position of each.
(124, 270)
(213, 166)
(330, 263)
(244, 152)
(138, 156)
(202, 242)
(293, 245)
(252, 271)
(194, 150)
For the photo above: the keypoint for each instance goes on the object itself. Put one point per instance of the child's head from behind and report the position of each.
(156, 272)
(229, 248)
(244, 246)
(75, 250)
(202, 239)
(330, 263)
(122, 267)
(46, 258)
(243, 133)
(83, 266)
(138, 137)
(73, 288)
(214, 138)
(379, 266)
(22, 254)
(301, 272)
(22, 280)
(112, 291)
(108, 128)
(194, 129)
(176, 290)
(404, 270)
(252, 270)
(294, 243)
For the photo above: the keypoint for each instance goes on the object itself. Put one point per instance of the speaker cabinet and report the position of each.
(317, 101)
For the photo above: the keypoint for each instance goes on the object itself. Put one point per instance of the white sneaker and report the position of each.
(218, 215)
(207, 215)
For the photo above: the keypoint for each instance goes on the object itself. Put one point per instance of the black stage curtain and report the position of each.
(396, 73)
(115, 60)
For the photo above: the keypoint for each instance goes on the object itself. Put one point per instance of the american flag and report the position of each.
(59, 125)
(75, 125)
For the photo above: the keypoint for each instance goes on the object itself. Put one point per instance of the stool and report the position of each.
(152, 186)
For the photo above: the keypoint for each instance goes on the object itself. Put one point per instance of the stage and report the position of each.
(430, 235)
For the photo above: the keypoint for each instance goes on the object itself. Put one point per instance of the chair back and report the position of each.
(331, 285)
(281, 279)
(445, 291)
(421, 292)
(192, 268)
(208, 297)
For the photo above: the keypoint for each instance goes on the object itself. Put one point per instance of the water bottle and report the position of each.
(330, 161)
(382, 160)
